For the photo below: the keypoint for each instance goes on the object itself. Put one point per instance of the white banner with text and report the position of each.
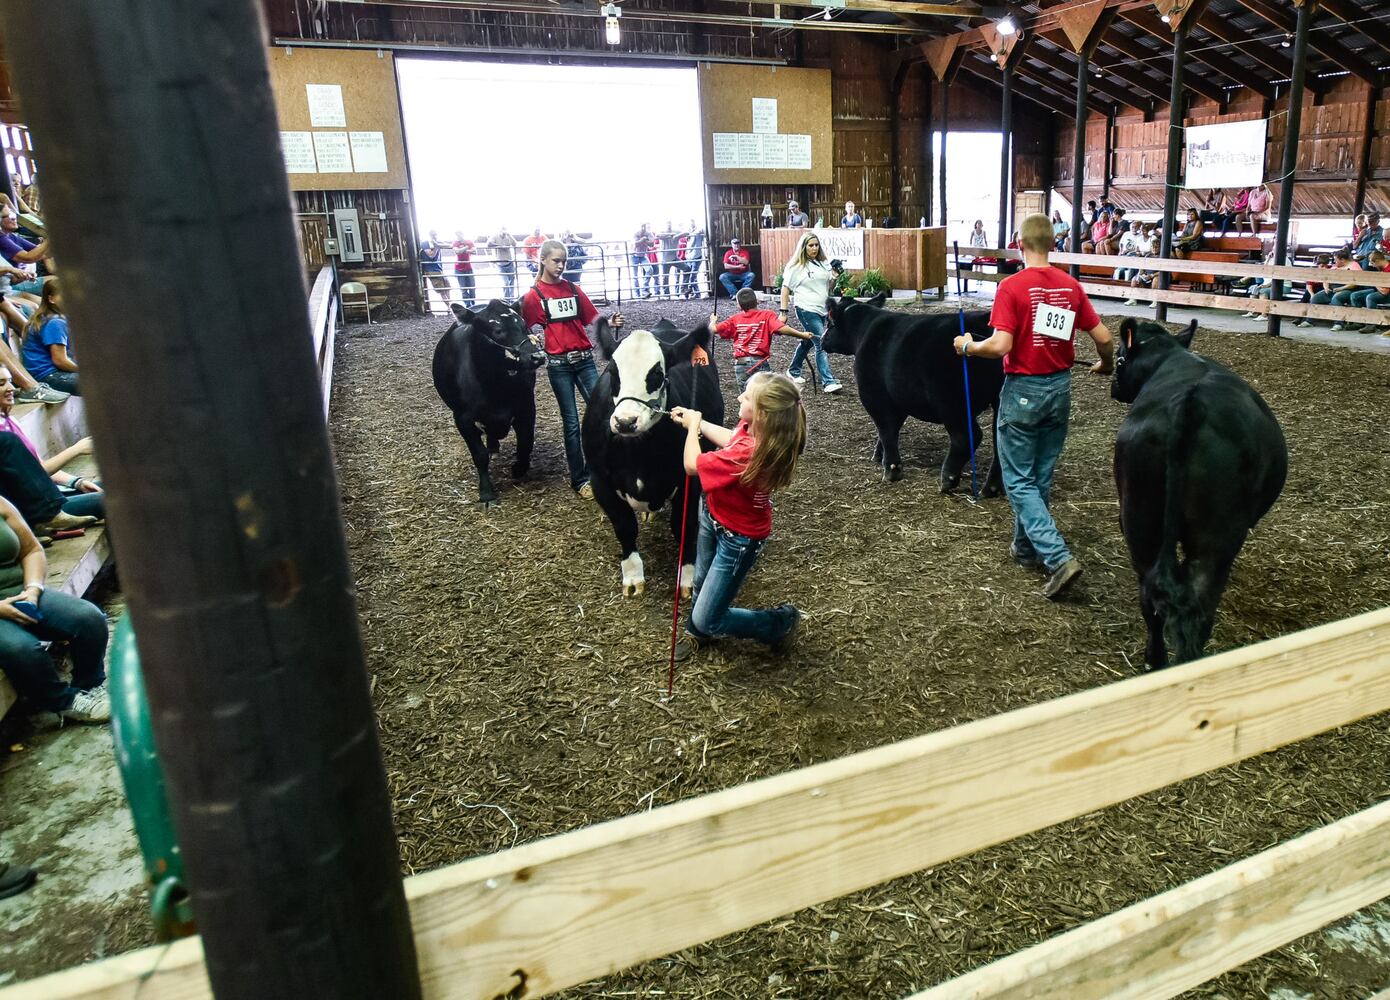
(1229, 155)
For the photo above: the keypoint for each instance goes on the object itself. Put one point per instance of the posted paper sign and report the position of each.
(750, 150)
(799, 152)
(775, 152)
(725, 150)
(761, 151)
(298, 148)
(764, 114)
(842, 244)
(368, 152)
(1228, 155)
(326, 105)
(333, 153)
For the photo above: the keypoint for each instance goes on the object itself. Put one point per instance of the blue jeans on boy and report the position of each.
(734, 283)
(507, 268)
(722, 562)
(28, 665)
(814, 324)
(565, 377)
(1034, 411)
(638, 264)
(746, 368)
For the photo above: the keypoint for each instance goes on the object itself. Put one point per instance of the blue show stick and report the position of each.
(969, 411)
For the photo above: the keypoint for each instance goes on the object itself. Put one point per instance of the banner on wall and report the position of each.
(1229, 155)
(843, 244)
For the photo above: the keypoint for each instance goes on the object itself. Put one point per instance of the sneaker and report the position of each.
(89, 706)
(688, 646)
(782, 644)
(1027, 562)
(586, 491)
(1063, 578)
(63, 522)
(1305, 323)
(1338, 326)
(1249, 315)
(799, 380)
(41, 393)
(1131, 302)
(833, 387)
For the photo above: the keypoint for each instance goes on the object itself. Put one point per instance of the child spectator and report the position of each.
(751, 331)
(1370, 239)
(737, 274)
(754, 460)
(47, 348)
(463, 267)
(47, 497)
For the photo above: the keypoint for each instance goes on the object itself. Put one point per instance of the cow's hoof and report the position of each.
(687, 581)
(520, 470)
(634, 589)
(634, 580)
(993, 490)
(644, 516)
(892, 473)
(949, 483)
(489, 503)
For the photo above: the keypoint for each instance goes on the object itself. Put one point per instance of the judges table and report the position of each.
(908, 258)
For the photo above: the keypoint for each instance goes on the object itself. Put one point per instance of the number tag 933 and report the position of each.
(1054, 321)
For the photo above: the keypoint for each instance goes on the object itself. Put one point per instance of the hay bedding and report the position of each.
(519, 693)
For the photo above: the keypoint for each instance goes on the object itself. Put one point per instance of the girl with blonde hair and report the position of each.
(749, 463)
(809, 278)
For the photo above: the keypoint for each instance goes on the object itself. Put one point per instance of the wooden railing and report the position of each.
(323, 318)
(1211, 300)
(558, 912)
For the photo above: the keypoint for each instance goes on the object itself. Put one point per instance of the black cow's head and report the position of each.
(846, 319)
(641, 363)
(501, 325)
(1142, 349)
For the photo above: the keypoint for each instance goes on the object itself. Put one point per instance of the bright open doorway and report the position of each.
(972, 182)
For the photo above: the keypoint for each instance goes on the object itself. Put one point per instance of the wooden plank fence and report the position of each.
(551, 914)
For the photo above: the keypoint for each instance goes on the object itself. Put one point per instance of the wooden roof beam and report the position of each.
(1100, 85)
(1319, 41)
(988, 72)
(1041, 79)
(1132, 76)
(1349, 12)
(1131, 49)
(1272, 59)
(1148, 22)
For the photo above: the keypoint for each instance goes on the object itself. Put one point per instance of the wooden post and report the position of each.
(895, 129)
(1175, 146)
(222, 495)
(1368, 134)
(1281, 237)
(929, 154)
(1006, 129)
(1109, 154)
(945, 132)
(1078, 155)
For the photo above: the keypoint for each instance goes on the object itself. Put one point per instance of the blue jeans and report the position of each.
(1358, 298)
(638, 263)
(814, 324)
(27, 663)
(507, 268)
(1343, 298)
(733, 283)
(1378, 299)
(722, 561)
(746, 368)
(1033, 414)
(565, 377)
(63, 381)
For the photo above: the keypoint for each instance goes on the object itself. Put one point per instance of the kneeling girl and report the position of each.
(751, 462)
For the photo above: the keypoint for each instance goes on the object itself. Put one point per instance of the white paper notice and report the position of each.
(368, 152)
(764, 114)
(326, 105)
(799, 152)
(775, 152)
(725, 150)
(298, 148)
(333, 153)
(750, 150)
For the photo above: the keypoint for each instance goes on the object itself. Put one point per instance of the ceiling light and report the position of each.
(1006, 25)
(612, 32)
(1288, 40)
(826, 15)
(1164, 18)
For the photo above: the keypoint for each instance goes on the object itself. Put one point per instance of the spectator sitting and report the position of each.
(15, 248)
(23, 656)
(48, 498)
(1008, 265)
(751, 331)
(737, 274)
(1257, 207)
(1214, 209)
(1118, 227)
(1263, 288)
(1190, 238)
(532, 246)
(851, 219)
(1060, 231)
(1091, 214)
(46, 343)
(1370, 297)
(1358, 229)
(1151, 245)
(889, 222)
(1341, 261)
(796, 218)
(1239, 209)
(1370, 239)
(1133, 243)
(1100, 233)
(1322, 261)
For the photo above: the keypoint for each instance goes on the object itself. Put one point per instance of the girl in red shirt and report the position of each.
(750, 462)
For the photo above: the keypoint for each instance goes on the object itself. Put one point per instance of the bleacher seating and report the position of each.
(73, 563)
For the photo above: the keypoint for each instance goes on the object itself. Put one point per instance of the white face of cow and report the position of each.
(641, 370)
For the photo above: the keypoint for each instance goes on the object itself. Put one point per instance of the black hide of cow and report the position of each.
(485, 371)
(906, 366)
(1199, 459)
(648, 466)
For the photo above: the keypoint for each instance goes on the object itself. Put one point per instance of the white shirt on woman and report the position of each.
(809, 284)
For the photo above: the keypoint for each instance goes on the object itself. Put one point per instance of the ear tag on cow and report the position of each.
(1022, 400)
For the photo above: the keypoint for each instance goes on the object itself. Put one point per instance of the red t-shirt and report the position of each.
(532, 246)
(744, 510)
(564, 310)
(463, 249)
(751, 332)
(736, 261)
(1015, 306)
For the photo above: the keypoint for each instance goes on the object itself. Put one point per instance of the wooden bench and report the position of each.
(73, 563)
(1198, 279)
(1243, 245)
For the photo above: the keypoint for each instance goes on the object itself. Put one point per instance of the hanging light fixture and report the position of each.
(1288, 40)
(612, 32)
(1006, 25)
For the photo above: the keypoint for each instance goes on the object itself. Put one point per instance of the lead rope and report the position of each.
(969, 412)
(676, 608)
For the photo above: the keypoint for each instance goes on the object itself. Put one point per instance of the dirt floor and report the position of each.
(519, 692)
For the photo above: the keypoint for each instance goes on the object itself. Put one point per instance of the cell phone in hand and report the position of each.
(29, 608)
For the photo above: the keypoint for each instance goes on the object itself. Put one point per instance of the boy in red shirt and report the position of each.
(1036, 313)
(751, 331)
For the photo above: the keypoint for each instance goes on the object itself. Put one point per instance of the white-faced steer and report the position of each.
(633, 448)
(485, 371)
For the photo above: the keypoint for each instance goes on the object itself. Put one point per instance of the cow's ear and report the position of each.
(878, 300)
(461, 314)
(1185, 338)
(603, 333)
(1127, 328)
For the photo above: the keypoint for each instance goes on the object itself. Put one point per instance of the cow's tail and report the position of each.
(1172, 592)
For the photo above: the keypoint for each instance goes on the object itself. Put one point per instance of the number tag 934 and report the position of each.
(1054, 321)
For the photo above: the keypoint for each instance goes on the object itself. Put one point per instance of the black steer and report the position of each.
(1198, 460)
(635, 452)
(485, 371)
(906, 366)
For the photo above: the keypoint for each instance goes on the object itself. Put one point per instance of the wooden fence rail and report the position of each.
(561, 911)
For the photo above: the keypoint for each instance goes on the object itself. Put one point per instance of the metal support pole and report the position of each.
(1006, 128)
(1281, 238)
(945, 131)
(1170, 185)
(222, 495)
(1078, 155)
(928, 129)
